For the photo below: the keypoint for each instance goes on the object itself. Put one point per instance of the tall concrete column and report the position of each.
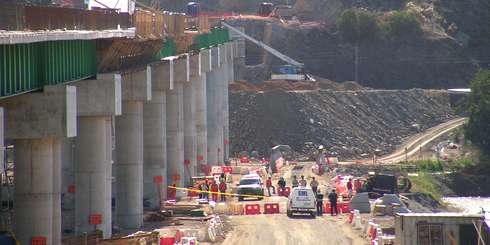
(220, 87)
(155, 149)
(202, 109)
(129, 165)
(110, 142)
(213, 102)
(67, 184)
(212, 117)
(190, 118)
(175, 135)
(175, 124)
(34, 191)
(35, 121)
(98, 101)
(229, 79)
(155, 136)
(190, 144)
(136, 89)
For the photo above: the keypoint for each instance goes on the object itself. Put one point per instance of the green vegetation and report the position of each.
(477, 129)
(401, 24)
(430, 165)
(362, 26)
(357, 26)
(426, 183)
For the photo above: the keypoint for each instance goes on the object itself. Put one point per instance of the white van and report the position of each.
(302, 200)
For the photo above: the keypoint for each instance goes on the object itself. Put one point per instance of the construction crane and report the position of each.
(294, 65)
(264, 46)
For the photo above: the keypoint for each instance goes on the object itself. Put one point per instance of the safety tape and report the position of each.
(214, 192)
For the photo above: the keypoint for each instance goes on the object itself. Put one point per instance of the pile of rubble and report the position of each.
(351, 123)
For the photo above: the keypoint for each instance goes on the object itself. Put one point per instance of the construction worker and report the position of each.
(349, 187)
(314, 184)
(205, 190)
(302, 181)
(294, 183)
(319, 203)
(357, 185)
(268, 184)
(222, 190)
(332, 197)
(214, 190)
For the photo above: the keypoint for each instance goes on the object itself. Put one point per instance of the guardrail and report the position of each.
(34, 18)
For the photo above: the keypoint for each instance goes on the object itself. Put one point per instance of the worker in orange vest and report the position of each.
(214, 190)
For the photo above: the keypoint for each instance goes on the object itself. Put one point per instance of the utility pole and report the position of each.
(356, 62)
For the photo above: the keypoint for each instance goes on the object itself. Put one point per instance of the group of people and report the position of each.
(332, 196)
(213, 187)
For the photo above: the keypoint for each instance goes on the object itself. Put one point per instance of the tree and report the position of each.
(478, 127)
(402, 24)
(357, 26)
(348, 26)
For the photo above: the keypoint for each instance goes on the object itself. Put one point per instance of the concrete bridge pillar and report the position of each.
(201, 111)
(175, 122)
(36, 121)
(136, 89)
(229, 79)
(213, 107)
(190, 116)
(98, 101)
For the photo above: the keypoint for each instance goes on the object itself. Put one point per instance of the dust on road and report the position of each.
(278, 229)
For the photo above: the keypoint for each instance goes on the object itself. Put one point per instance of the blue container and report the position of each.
(193, 9)
(287, 69)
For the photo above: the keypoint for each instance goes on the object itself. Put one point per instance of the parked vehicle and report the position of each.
(250, 184)
(301, 200)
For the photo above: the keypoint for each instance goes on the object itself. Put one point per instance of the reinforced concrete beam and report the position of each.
(101, 97)
(51, 113)
(136, 89)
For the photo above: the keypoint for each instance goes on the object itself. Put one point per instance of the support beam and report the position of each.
(35, 121)
(99, 100)
(136, 89)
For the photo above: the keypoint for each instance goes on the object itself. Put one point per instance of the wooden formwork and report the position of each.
(149, 25)
(86, 239)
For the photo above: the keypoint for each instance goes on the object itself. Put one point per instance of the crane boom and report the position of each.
(264, 46)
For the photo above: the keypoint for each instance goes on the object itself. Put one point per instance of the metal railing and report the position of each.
(34, 18)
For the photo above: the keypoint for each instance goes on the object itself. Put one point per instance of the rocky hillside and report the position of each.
(426, 61)
(351, 123)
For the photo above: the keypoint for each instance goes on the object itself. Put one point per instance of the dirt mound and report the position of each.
(351, 123)
(287, 85)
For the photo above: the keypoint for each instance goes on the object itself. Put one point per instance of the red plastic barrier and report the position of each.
(227, 170)
(271, 208)
(287, 191)
(252, 209)
(343, 207)
(167, 240)
(191, 193)
(39, 240)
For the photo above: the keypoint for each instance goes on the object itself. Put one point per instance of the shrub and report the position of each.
(357, 26)
(402, 24)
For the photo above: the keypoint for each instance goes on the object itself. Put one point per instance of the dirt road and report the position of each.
(278, 229)
(413, 144)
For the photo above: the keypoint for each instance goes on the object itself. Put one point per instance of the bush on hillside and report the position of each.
(401, 24)
(357, 26)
